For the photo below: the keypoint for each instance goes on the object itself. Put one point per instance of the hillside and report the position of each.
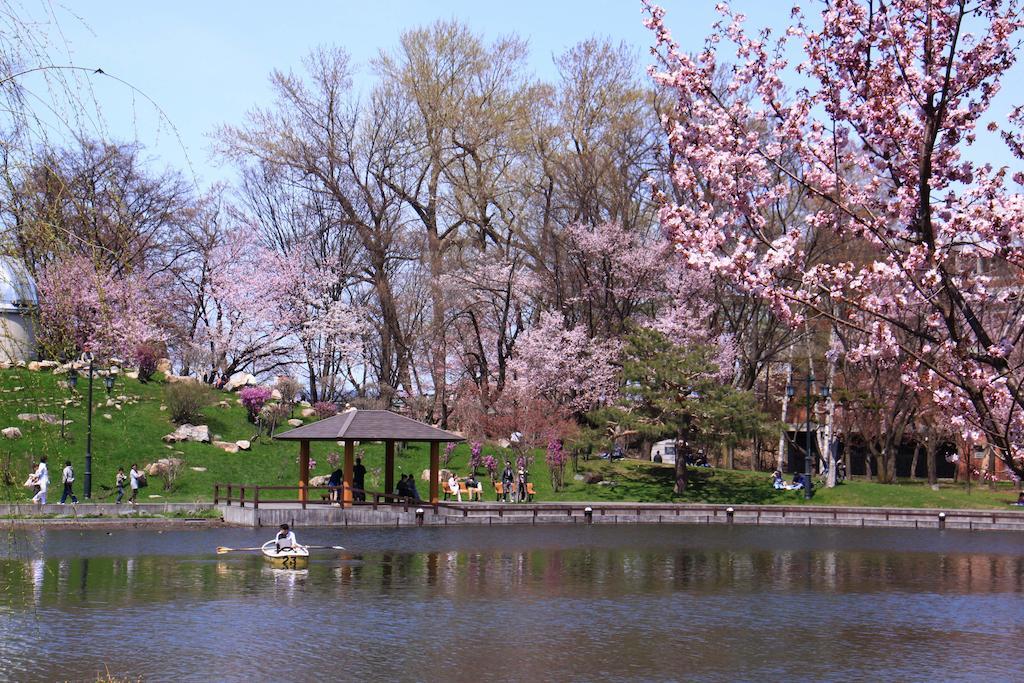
(128, 427)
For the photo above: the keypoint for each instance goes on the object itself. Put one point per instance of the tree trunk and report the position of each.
(931, 453)
(913, 461)
(682, 476)
(785, 426)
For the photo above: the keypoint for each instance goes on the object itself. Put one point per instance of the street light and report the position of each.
(108, 382)
(790, 392)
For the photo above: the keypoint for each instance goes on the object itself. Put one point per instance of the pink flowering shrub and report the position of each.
(324, 409)
(253, 399)
(556, 458)
(476, 455)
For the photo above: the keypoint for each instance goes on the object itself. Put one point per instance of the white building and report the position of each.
(18, 302)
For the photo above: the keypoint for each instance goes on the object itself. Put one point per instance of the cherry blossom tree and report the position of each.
(83, 307)
(877, 136)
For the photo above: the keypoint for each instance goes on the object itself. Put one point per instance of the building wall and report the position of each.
(17, 337)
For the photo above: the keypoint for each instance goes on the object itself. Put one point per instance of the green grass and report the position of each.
(132, 435)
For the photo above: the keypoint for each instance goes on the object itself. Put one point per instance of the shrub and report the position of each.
(476, 455)
(325, 409)
(274, 414)
(253, 399)
(146, 357)
(289, 390)
(186, 400)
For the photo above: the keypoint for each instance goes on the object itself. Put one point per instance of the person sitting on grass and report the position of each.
(1020, 499)
(798, 482)
(778, 481)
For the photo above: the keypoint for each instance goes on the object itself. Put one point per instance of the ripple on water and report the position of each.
(610, 603)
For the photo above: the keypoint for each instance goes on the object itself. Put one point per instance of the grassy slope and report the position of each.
(133, 435)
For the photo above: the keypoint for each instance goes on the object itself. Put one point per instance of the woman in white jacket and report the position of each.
(42, 479)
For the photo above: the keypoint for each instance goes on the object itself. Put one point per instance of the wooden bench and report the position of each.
(530, 493)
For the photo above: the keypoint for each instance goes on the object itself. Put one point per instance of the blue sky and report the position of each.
(206, 63)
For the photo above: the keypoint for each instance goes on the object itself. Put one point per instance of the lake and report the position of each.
(579, 603)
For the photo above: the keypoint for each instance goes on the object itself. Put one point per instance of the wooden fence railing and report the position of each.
(256, 495)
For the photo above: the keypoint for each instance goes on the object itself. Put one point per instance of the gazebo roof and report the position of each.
(368, 425)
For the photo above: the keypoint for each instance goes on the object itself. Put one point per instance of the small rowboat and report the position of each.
(288, 558)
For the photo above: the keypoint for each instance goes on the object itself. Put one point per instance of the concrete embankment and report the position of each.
(156, 515)
(625, 513)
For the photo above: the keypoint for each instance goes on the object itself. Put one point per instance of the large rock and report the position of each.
(187, 432)
(180, 379)
(443, 476)
(275, 395)
(320, 480)
(239, 380)
(11, 433)
(47, 364)
(41, 417)
(592, 478)
(162, 466)
(308, 412)
(164, 365)
(243, 444)
(295, 422)
(226, 446)
(34, 366)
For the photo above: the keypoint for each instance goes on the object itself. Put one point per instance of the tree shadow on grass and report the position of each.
(710, 486)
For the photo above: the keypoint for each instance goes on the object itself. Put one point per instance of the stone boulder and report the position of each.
(226, 446)
(187, 432)
(320, 480)
(275, 395)
(295, 422)
(239, 380)
(308, 412)
(132, 374)
(164, 365)
(243, 444)
(11, 433)
(41, 417)
(180, 379)
(48, 364)
(592, 478)
(162, 466)
(198, 469)
(425, 476)
(34, 366)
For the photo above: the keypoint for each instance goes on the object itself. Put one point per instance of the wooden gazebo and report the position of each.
(368, 425)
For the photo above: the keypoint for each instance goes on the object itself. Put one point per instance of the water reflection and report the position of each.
(616, 604)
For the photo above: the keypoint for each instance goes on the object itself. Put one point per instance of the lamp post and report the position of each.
(108, 382)
(808, 465)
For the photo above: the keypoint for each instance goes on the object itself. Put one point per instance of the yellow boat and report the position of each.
(286, 558)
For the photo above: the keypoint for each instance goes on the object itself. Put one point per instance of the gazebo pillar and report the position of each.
(435, 471)
(350, 451)
(389, 466)
(303, 470)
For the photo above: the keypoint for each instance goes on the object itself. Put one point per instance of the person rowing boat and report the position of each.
(285, 539)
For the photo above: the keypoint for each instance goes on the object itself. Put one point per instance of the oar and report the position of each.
(221, 549)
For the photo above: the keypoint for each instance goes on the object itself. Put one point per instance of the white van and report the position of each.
(664, 451)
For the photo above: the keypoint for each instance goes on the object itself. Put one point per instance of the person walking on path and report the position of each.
(120, 481)
(42, 479)
(133, 482)
(508, 478)
(359, 479)
(68, 479)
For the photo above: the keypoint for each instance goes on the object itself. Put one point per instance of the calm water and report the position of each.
(517, 603)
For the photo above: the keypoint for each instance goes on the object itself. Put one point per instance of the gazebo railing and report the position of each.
(256, 495)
